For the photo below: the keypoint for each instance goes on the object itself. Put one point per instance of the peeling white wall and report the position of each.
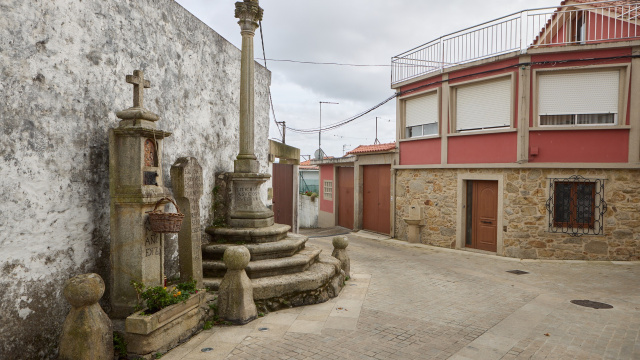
(62, 70)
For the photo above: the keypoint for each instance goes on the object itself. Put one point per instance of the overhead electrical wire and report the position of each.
(327, 63)
(269, 88)
(399, 93)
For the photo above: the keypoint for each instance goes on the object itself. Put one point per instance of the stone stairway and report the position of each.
(283, 270)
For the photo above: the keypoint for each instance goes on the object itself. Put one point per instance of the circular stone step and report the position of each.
(266, 234)
(271, 250)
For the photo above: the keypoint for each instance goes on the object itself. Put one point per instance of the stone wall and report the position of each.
(525, 192)
(63, 65)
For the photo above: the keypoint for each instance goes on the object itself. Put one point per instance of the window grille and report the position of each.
(327, 193)
(576, 205)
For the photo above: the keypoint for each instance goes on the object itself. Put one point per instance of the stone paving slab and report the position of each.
(412, 301)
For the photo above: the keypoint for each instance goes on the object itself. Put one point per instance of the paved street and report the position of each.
(408, 301)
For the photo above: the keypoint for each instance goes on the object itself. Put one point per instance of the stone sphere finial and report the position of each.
(84, 290)
(236, 257)
(340, 242)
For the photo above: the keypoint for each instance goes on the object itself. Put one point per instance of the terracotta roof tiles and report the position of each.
(373, 148)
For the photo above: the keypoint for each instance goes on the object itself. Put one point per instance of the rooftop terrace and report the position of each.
(574, 22)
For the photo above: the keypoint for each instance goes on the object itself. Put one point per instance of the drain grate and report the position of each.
(206, 349)
(517, 272)
(592, 304)
(263, 329)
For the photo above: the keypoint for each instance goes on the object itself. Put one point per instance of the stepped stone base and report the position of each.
(272, 250)
(246, 236)
(268, 267)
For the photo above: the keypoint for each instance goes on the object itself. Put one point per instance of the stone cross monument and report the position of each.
(247, 209)
(186, 180)
(135, 185)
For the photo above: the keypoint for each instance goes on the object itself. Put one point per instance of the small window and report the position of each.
(421, 115)
(327, 190)
(576, 205)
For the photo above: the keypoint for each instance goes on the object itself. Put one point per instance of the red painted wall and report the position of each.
(466, 74)
(483, 148)
(326, 173)
(579, 146)
(420, 152)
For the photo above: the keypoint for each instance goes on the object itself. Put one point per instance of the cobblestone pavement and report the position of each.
(411, 301)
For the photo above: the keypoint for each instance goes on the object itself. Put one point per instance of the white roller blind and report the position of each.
(484, 105)
(594, 92)
(422, 110)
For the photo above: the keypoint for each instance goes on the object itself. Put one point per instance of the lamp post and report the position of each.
(320, 152)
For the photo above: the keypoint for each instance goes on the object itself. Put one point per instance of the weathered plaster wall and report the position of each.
(525, 215)
(307, 211)
(62, 66)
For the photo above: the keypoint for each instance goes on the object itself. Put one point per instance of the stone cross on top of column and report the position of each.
(137, 111)
(139, 83)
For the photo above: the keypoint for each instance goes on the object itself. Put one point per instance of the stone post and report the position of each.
(414, 223)
(249, 14)
(87, 332)
(235, 295)
(340, 244)
(186, 179)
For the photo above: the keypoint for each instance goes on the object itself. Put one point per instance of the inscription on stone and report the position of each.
(151, 241)
(186, 177)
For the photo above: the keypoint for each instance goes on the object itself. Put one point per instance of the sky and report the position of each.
(363, 32)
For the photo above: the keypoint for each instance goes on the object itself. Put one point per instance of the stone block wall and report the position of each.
(525, 217)
(62, 78)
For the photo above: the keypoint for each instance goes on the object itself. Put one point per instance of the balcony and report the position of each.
(573, 23)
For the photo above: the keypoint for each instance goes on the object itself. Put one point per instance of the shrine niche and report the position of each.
(150, 153)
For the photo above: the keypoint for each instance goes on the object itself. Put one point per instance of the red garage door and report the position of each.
(376, 199)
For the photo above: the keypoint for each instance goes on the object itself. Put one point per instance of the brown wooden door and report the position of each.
(484, 215)
(345, 197)
(376, 198)
(283, 194)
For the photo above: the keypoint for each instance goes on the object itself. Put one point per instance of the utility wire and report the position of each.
(269, 88)
(399, 93)
(326, 63)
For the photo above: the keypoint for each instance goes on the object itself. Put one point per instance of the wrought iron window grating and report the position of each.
(576, 206)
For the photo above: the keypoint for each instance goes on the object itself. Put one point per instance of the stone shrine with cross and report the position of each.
(135, 185)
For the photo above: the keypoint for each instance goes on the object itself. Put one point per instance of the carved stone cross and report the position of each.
(139, 83)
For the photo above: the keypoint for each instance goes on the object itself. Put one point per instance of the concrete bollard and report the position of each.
(87, 332)
(340, 244)
(235, 295)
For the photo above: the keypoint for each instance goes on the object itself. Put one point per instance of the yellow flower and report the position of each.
(179, 292)
(165, 288)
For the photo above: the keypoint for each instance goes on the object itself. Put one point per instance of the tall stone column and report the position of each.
(248, 13)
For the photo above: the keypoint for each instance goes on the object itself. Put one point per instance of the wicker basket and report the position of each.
(162, 222)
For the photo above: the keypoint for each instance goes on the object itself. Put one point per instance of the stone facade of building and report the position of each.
(524, 221)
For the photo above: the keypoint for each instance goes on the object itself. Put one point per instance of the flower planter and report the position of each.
(162, 330)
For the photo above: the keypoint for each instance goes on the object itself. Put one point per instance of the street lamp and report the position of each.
(320, 153)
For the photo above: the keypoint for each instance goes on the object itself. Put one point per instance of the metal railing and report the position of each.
(575, 24)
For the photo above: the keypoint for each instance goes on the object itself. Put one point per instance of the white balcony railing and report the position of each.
(574, 23)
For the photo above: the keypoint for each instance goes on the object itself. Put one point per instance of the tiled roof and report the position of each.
(306, 165)
(373, 148)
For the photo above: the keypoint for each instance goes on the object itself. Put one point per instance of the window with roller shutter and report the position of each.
(484, 105)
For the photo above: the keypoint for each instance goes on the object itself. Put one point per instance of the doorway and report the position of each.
(345, 196)
(376, 198)
(481, 215)
(283, 194)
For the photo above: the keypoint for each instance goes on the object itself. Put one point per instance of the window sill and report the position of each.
(427, 137)
(580, 127)
(482, 132)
